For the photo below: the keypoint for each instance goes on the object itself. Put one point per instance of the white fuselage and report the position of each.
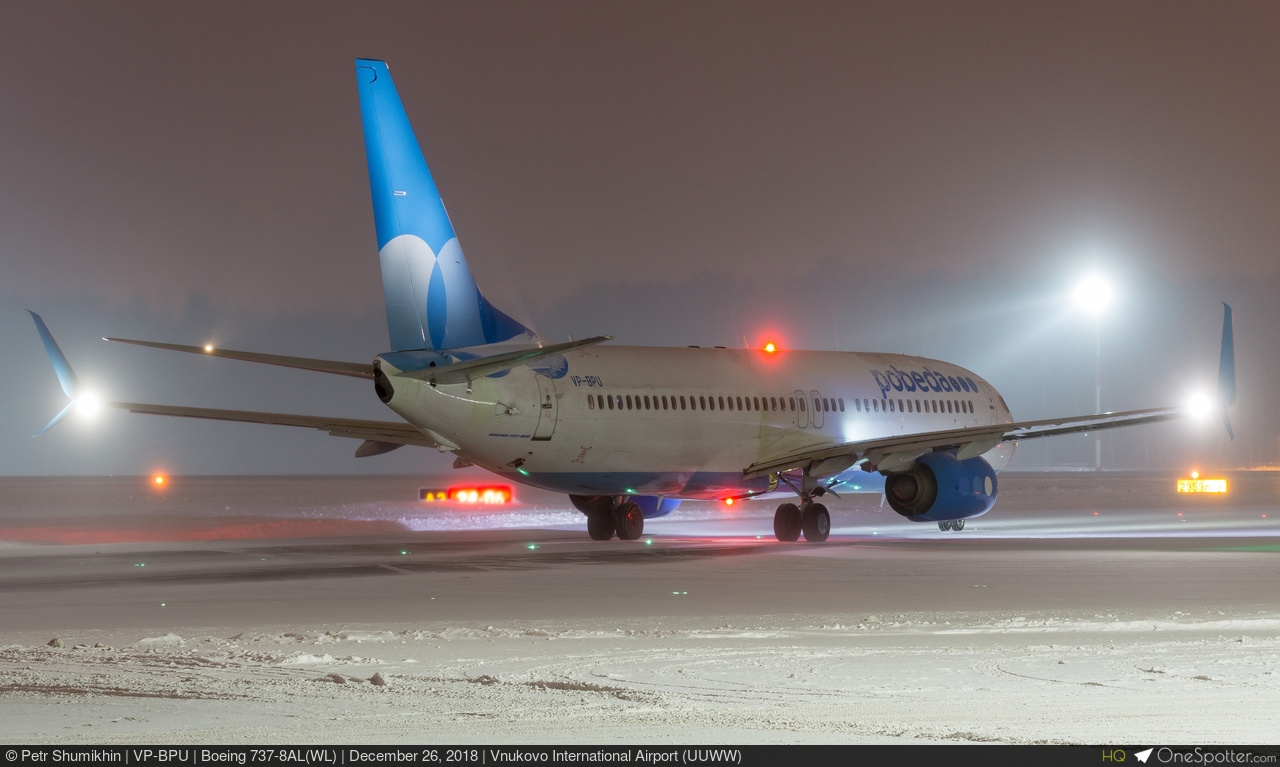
(685, 422)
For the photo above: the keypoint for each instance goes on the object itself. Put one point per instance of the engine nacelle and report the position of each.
(940, 487)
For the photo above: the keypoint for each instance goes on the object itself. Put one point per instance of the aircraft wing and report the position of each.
(385, 435)
(887, 453)
(355, 369)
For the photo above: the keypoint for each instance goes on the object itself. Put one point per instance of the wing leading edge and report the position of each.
(892, 452)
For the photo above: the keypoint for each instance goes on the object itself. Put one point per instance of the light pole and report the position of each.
(1092, 296)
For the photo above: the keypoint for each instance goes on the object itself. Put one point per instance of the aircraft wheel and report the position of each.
(945, 526)
(786, 522)
(957, 525)
(629, 520)
(600, 524)
(816, 523)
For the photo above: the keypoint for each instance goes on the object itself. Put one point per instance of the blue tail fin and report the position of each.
(432, 300)
(1227, 369)
(66, 376)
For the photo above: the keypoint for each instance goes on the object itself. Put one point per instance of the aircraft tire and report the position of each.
(945, 526)
(786, 522)
(815, 523)
(957, 525)
(629, 521)
(600, 524)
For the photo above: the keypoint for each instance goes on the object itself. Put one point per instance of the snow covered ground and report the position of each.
(345, 615)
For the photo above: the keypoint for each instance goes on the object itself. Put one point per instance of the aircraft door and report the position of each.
(802, 410)
(815, 401)
(548, 405)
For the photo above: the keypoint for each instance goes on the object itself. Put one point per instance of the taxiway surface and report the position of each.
(1083, 609)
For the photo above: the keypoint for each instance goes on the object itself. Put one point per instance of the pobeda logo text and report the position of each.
(914, 380)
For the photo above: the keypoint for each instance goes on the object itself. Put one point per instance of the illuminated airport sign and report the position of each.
(489, 495)
(1200, 485)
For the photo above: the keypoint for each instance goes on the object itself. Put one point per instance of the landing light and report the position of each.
(88, 404)
(769, 347)
(728, 501)
(1199, 406)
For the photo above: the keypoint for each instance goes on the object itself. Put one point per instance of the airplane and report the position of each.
(628, 432)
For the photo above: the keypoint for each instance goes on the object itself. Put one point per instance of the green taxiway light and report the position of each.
(532, 546)
(404, 552)
(630, 491)
(522, 471)
(648, 541)
(162, 604)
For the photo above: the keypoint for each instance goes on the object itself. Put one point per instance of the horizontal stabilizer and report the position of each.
(375, 431)
(469, 370)
(355, 369)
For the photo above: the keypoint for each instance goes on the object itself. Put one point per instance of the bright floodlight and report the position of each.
(1200, 405)
(88, 404)
(1093, 295)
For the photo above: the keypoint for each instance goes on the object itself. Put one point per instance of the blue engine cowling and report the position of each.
(650, 505)
(655, 505)
(939, 487)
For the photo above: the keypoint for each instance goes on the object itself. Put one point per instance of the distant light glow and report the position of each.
(159, 480)
(208, 347)
(494, 495)
(770, 347)
(1093, 295)
(486, 495)
(1195, 475)
(728, 501)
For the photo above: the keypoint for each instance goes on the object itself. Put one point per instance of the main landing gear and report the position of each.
(951, 524)
(809, 518)
(813, 521)
(607, 517)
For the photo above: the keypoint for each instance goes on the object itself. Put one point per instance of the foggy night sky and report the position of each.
(926, 178)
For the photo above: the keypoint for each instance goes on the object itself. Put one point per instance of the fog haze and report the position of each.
(920, 178)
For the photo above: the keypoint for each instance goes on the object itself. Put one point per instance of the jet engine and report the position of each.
(940, 487)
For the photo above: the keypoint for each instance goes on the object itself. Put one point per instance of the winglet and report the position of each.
(1227, 369)
(66, 376)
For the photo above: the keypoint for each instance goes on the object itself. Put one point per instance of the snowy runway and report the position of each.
(1036, 625)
